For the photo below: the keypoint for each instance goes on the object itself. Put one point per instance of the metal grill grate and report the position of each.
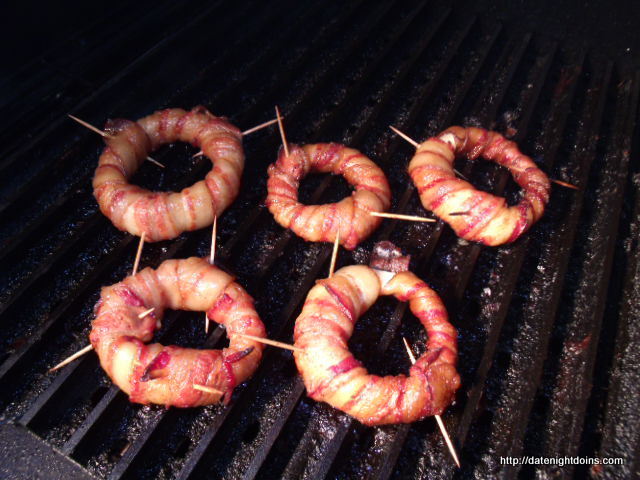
(546, 324)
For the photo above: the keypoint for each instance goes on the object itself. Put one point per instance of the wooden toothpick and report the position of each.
(104, 134)
(334, 253)
(146, 312)
(274, 343)
(281, 128)
(398, 216)
(416, 144)
(247, 132)
(260, 127)
(212, 258)
(204, 388)
(564, 184)
(88, 348)
(136, 262)
(153, 160)
(214, 234)
(405, 136)
(71, 358)
(412, 357)
(443, 429)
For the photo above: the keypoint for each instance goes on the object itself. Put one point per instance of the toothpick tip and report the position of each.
(153, 160)
(71, 358)
(405, 136)
(136, 262)
(443, 430)
(90, 127)
(565, 184)
(261, 126)
(334, 253)
(398, 216)
(273, 343)
(282, 134)
(206, 389)
(146, 312)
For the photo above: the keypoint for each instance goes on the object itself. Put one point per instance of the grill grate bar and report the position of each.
(127, 240)
(108, 400)
(332, 447)
(39, 169)
(141, 440)
(71, 445)
(80, 74)
(96, 217)
(438, 124)
(469, 256)
(200, 17)
(322, 261)
(619, 425)
(471, 253)
(268, 367)
(43, 267)
(511, 60)
(514, 257)
(328, 121)
(293, 113)
(448, 68)
(595, 261)
(34, 344)
(67, 245)
(32, 73)
(531, 102)
(274, 432)
(542, 315)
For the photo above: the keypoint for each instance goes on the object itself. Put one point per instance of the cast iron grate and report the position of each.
(546, 324)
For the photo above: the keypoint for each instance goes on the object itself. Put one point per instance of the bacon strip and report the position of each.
(332, 374)
(320, 223)
(165, 215)
(153, 373)
(490, 221)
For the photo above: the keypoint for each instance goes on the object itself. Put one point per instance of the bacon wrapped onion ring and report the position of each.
(332, 374)
(321, 223)
(165, 215)
(487, 219)
(153, 373)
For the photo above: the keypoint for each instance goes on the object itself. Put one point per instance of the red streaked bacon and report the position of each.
(321, 223)
(490, 221)
(153, 373)
(332, 374)
(165, 215)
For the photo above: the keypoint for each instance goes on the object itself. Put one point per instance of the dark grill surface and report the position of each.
(548, 326)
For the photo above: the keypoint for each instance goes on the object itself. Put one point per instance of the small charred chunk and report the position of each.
(386, 256)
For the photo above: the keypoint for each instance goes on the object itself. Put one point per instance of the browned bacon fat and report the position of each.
(332, 374)
(154, 373)
(321, 223)
(165, 215)
(487, 218)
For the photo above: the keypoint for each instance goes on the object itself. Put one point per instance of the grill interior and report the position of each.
(547, 325)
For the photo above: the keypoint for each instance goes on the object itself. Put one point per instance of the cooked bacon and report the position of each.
(487, 219)
(332, 374)
(320, 223)
(154, 373)
(165, 215)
